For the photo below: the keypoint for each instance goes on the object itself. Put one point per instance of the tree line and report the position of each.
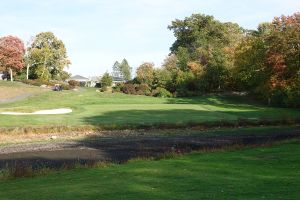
(210, 56)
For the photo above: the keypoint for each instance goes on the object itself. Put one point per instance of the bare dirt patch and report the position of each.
(115, 149)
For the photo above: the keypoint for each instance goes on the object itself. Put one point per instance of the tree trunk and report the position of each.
(27, 72)
(11, 75)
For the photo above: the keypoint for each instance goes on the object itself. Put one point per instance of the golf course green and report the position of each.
(115, 109)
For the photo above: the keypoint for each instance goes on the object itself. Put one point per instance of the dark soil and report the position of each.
(115, 149)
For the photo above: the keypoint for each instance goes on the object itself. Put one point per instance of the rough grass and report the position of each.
(251, 173)
(119, 110)
(38, 135)
(10, 90)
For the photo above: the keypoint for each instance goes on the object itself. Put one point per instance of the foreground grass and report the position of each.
(96, 109)
(252, 173)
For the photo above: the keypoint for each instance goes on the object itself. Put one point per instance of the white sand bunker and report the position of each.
(41, 112)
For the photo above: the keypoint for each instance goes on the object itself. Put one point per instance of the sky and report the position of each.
(99, 32)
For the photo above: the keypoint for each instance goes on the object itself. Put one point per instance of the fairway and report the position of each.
(252, 173)
(94, 108)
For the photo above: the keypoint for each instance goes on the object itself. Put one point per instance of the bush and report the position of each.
(66, 87)
(143, 89)
(73, 83)
(118, 87)
(98, 85)
(36, 82)
(39, 82)
(129, 88)
(161, 92)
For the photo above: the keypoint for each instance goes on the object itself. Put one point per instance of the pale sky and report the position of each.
(99, 32)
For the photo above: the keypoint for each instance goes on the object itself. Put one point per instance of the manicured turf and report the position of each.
(94, 108)
(252, 173)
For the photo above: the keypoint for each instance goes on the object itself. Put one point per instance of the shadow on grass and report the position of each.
(182, 117)
(219, 100)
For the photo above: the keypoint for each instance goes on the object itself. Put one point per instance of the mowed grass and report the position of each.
(251, 173)
(94, 108)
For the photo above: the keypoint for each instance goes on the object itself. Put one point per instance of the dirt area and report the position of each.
(116, 149)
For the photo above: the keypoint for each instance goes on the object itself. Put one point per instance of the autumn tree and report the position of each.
(47, 57)
(144, 73)
(11, 54)
(268, 61)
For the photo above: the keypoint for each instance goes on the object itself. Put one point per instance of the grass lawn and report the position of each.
(251, 173)
(92, 108)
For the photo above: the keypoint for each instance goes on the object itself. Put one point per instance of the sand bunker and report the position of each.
(41, 112)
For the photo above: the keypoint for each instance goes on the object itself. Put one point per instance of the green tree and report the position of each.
(106, 81)
(47, 57)
(116, 69)
(161, 78)
(122, 70)
(208, 44)
(125, 70)
(170, 64)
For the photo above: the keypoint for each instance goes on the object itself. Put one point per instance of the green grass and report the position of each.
(251, 173)
(92, 108)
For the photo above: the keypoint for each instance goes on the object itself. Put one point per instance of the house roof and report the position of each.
(78, 78)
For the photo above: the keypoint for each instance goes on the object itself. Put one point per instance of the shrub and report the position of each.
(98, 85)
(36, 82)
(143, 89)
(118, 87)
(73, 83)
(129, 88)
(39, 82)
(161, 92)
(66, 87)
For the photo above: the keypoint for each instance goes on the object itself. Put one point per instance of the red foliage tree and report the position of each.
(11, 54)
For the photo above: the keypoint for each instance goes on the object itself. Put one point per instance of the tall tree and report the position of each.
(47, 56)
(205, 45)
(11, 54)
(125, 70)
(116, 69)
(122, 70)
